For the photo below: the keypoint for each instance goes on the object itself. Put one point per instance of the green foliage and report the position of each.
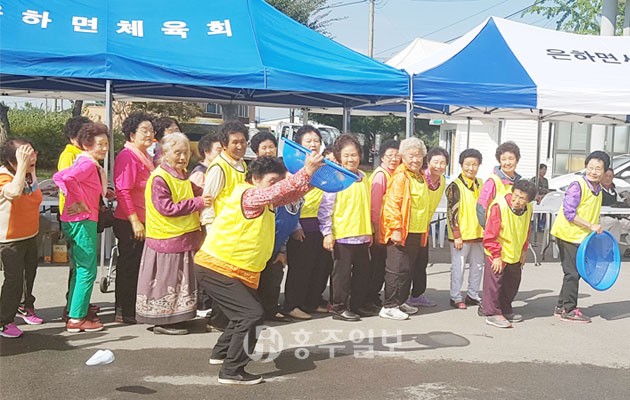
(311, 13)
(578, 16)
(181, 111)
(388, 127)
(44, 129)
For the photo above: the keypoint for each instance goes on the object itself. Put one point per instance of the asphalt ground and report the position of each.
(440, 353)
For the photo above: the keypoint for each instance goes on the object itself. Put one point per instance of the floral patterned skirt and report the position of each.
(167, 289)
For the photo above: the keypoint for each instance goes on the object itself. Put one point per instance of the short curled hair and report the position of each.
(131, 123)
(89, 132)
(470, 153)
(508, 147)
(386, 145)
(162, 123)
(438, 151)
(8, 150)
(230, 128)
(264, 165)
(598, 155)
(260, 137)
(346, 140)
(527, 187)
(412, 143)
(169, 141)
(206, 142)
(71, 129)
(303, 131)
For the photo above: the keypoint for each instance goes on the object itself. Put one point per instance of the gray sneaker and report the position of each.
(499, 321)
(575, 315)
(513, 317)
(407, 309)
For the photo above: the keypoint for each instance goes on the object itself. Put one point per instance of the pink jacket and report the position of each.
(130, 179)
(81, 182)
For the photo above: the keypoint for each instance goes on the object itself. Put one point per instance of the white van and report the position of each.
(620, 164)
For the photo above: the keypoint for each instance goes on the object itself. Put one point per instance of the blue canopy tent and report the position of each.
(222, 50)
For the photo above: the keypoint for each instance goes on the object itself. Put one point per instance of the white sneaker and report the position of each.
(101, 357)
(393, 313)
(204, 313)
(407, 309)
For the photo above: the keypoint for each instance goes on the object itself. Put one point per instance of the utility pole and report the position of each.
(626, 21)
(371, 31)
(609, 18)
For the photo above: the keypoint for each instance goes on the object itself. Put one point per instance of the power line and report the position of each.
(457, 22)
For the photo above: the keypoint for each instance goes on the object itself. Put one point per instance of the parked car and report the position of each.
(620, 165)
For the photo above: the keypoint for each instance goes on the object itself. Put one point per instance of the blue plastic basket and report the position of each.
(599, 260)
(330, 177)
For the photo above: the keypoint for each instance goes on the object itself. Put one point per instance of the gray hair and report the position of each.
(169, 141)
(412, 143)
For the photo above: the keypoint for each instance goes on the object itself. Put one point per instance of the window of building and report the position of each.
(572, 144)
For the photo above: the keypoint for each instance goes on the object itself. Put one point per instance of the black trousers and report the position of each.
(399, 266)
(378, 255)
(310, 266)
(19, 260)
(269, 287)
(419, 272)
(127, 267)
(350, 276)
(245, 313)
(570, 284)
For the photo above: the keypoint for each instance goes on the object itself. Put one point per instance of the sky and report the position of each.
(398, 22)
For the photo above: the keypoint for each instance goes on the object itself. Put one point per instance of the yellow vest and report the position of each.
(159, 226)
(233, 177)
(434, 198)
(467, 216)
(66, 159)
(588, 209)
(418, 218)
(500, 188)
(514, 230)
(351, 212)
(312, 199)
(383, 170)
(240, 241)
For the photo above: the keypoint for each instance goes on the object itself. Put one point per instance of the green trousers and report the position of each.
(84, 243)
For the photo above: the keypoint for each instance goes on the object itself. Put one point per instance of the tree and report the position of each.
(311, 13)
(577, 16)
(4, 123)
(388, 127)
(179, 110)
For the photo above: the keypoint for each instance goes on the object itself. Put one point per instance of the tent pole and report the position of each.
(346, 119)
(109, 161)
(468, 133)
(538, 143)
(305, 116)
(409, 116)
(612, 147)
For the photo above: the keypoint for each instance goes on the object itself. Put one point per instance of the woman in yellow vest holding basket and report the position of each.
(577, 218)
(236, 250)
(167, 290)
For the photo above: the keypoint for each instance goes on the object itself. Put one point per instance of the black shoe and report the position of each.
(241, 378)
(626, 254)
(279, 317)
(169, 330)
(480, 312)
(367, 311)
(471, 302)
(345, 315)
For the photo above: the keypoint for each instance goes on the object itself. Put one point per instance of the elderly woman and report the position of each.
(501, 180)
(167, 290)
(403, 222)
(20, 198)
(132, 169)
(84, 184)
(433, 174)
(163, 127)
